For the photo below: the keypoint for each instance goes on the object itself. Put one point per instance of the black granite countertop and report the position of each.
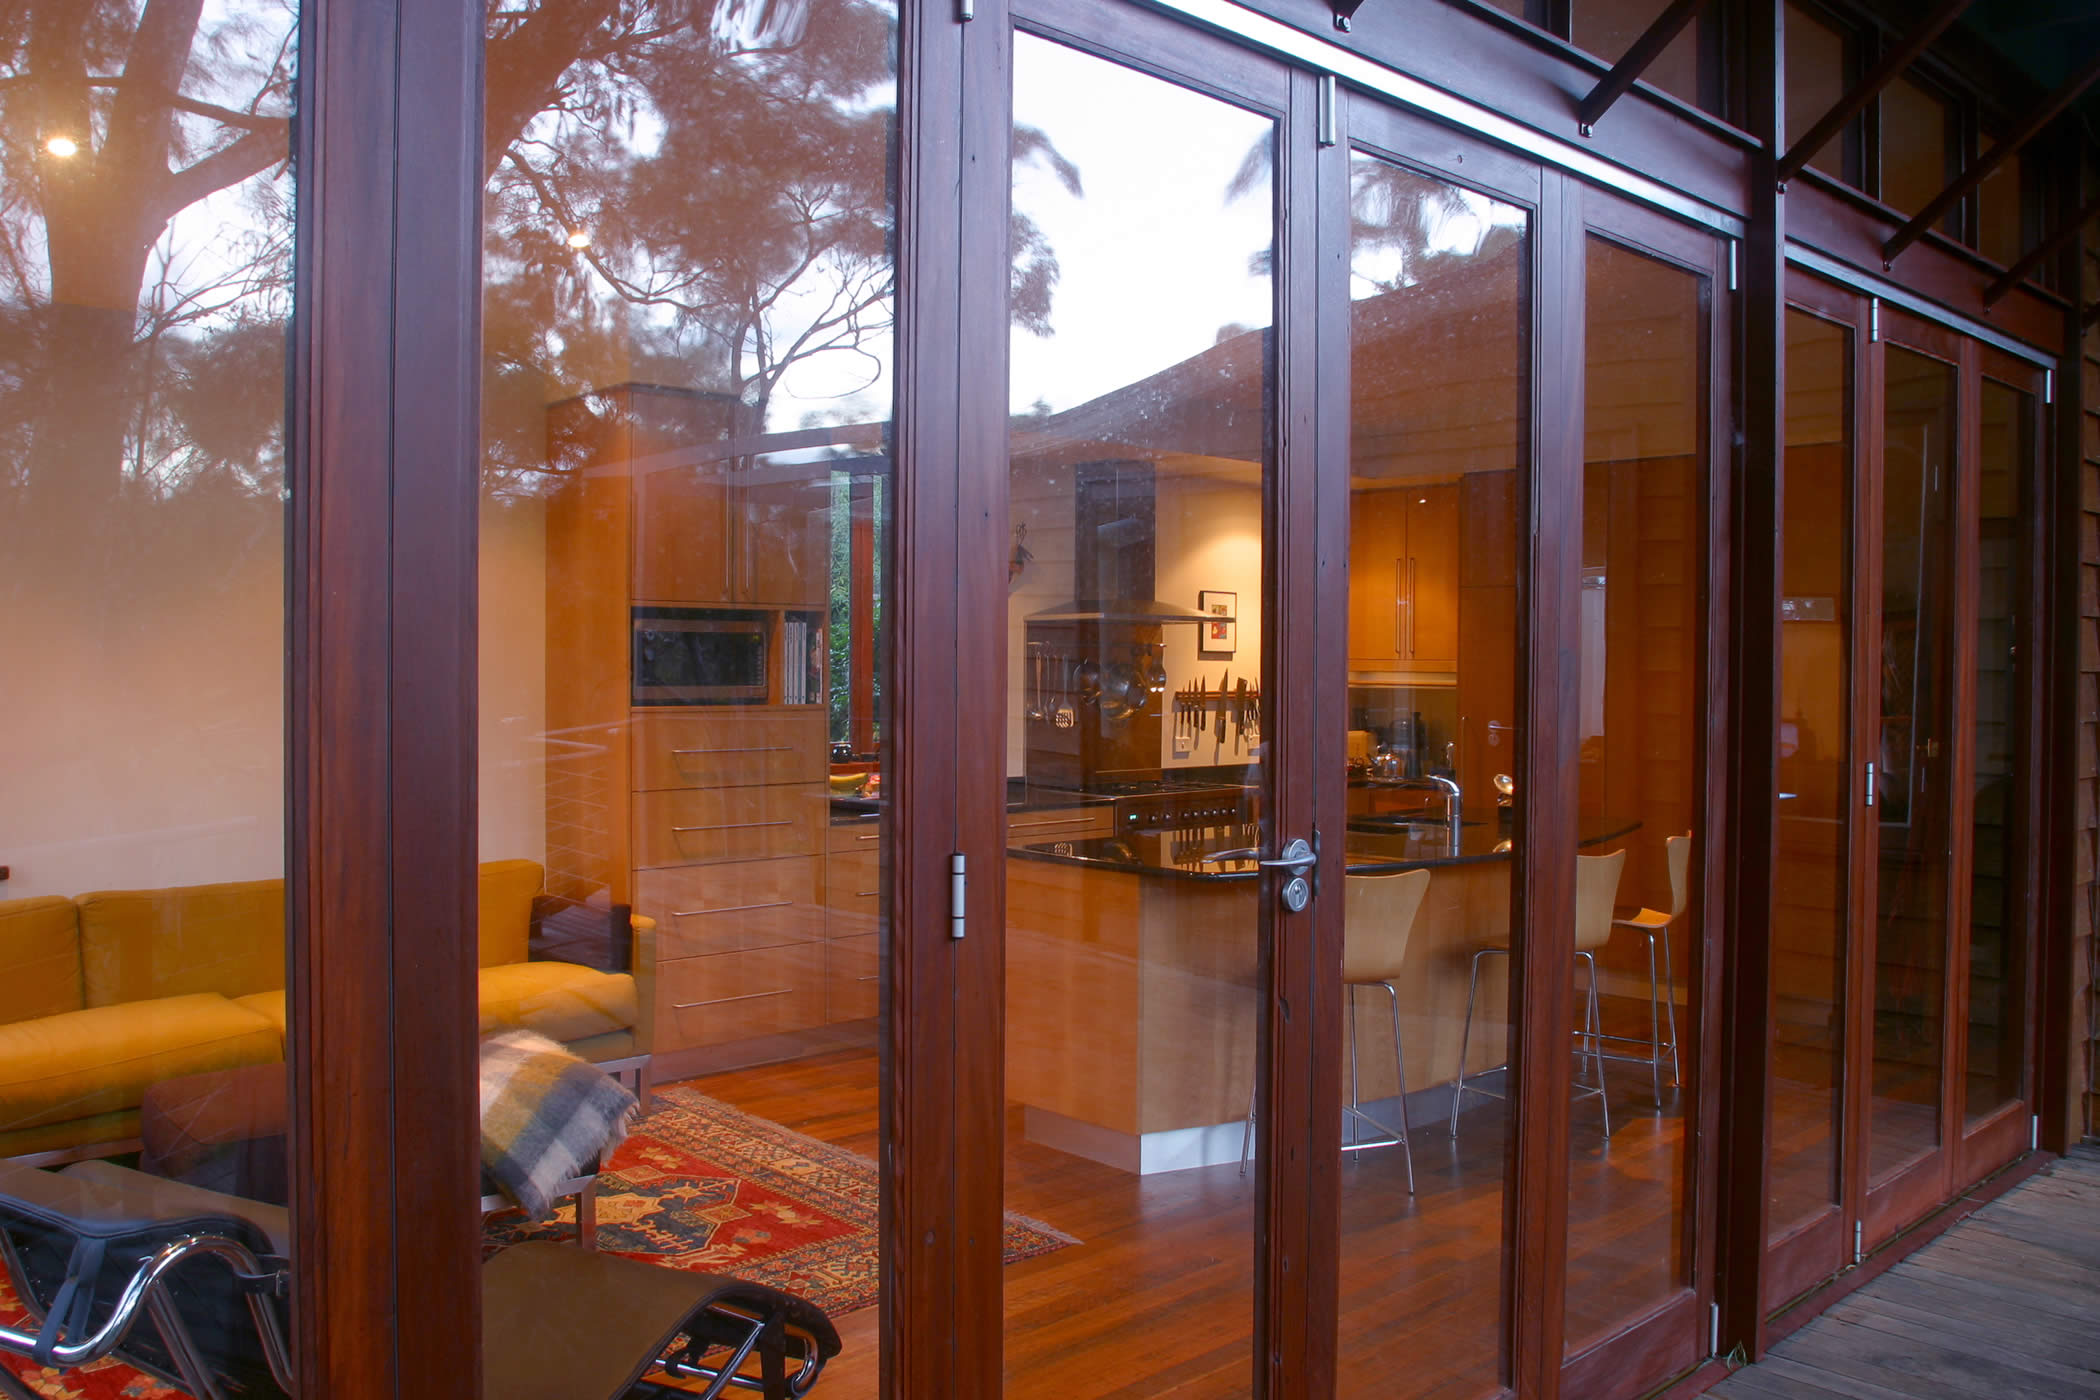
(1019, 798)
(1399, 846)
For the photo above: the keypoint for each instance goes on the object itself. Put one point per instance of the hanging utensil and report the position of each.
(1035, 696)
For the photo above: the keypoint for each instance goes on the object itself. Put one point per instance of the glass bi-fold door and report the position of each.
(1904, 890)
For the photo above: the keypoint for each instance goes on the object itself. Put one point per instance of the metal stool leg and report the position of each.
(1597, 1044)
(1670, 1007)
(1465, 1036)
(1400, 1079)
(1655, 1047)
(1247, 1129)
(1355, 1096)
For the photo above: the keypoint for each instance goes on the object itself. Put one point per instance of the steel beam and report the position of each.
(1646, 49)
(1969, 179)
(1892, 62)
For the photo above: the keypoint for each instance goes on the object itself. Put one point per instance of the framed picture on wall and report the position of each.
(1221, 622)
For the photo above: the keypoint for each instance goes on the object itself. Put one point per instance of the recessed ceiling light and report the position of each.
(64, 147)
(580, 239)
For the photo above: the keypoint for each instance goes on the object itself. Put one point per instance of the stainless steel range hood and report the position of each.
(1132, 610)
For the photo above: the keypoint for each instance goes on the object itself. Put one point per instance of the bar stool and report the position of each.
(1378, 919)
(1596, 890)
(1653, 924)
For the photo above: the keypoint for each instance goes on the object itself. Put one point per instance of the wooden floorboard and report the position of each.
(2005, 1304)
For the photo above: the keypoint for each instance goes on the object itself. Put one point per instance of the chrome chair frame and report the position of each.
(1590, 1035)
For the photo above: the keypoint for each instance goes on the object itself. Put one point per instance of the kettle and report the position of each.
(1386, 763)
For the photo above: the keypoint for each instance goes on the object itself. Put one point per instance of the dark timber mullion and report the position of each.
(1753, 662)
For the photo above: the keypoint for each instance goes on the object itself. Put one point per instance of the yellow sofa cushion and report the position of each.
(556, 999)
(39, 958)
(140, 944)
(268, 1005)
(507, 890)
(100, 1060)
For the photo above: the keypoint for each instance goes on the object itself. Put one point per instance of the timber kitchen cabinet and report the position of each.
(1403, 580)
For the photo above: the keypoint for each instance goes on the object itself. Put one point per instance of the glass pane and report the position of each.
(1817, 75)
(1637, 930)
(145, 300)
(1810, 882)
(1916, 160)
(1439, 456)
(1997, 935)
(688, 307)
(1140, 396)
(1608, 28)
(2002, 214)
(1913, 787)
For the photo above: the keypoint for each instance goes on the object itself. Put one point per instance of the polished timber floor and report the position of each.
(2005, 1304)
(1156, 1299)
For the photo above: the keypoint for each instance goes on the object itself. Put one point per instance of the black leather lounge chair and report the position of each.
(192, 1287)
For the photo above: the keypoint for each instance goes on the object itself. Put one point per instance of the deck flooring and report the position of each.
(2005, 1304)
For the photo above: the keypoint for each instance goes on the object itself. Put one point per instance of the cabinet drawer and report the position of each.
(853, 978)
(733, 996)
(731, 906)
(862, 835)
(853, 891)
(1023, 828)
(725, 748)
(693, 825)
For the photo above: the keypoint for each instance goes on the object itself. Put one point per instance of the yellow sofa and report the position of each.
(104, 994)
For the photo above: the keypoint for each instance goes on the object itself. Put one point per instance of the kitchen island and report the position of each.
(1133, 962)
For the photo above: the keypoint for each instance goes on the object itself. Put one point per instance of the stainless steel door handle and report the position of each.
(1296, 856)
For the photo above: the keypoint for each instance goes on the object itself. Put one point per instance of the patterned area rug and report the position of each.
(706, 1187)
(699, 1186)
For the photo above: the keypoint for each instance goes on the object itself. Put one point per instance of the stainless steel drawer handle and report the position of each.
(727, 826)
(876, 837)
(718, 1001)
(867, 894)
(1054, 821)
(871, 977)
(730, 909)
(763, 748)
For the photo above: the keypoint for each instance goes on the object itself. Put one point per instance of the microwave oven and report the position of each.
(701, 656)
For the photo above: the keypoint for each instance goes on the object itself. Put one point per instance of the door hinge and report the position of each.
(1733, 245)
(2034, 1133)
(1859, 1236)
(2048, 386)
(958, 895)
(966, 10)
(1870, 784)
(1713, 1329)
(1330, 121)
(1873, 318)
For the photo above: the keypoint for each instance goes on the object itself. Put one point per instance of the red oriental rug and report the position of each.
(699, 1186)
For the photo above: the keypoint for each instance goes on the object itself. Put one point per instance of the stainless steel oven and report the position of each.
(702, 656)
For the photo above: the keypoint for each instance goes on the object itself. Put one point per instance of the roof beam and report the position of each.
(2052, 107)
(2023, 269)
(1893, 61)
(1654, 39)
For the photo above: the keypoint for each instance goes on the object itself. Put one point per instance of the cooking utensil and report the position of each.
(1035, 697)
(1239, 716)
(1222, 683)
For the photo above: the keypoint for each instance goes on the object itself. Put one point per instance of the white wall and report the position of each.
(1209, 538)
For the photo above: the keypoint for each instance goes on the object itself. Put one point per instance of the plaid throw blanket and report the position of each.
(546, 1116)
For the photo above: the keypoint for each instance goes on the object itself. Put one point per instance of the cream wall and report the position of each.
(1209, 537)
(142, 696)
(513, 768)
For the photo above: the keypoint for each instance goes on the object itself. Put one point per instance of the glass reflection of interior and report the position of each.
(143, 330)
(1439, 455)
(1998, 949)
(688, 305)
(1914, 764)
(1810, 903)
(1818, 70)
(1916, 157)
(1139, 441)
(1608, 28)
(1635, 927)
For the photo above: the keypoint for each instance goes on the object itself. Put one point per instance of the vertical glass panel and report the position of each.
(1817, 75)
(1810, 902)
(688, 308)
(1608, 28)
(1916, 136)
(1439, 461)
(2001, 232)
(1997, 932)
(1636, 931)
(1140, 440)
(1912, 787)
(145, 296)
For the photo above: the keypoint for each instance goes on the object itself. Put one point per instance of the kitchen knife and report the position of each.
(1224, 684)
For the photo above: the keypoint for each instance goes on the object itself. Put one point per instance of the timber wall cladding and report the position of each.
(2086, 1027)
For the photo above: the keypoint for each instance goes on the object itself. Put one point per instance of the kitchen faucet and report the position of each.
(1454, 800)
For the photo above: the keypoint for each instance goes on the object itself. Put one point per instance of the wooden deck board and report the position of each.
(2007, 1303)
